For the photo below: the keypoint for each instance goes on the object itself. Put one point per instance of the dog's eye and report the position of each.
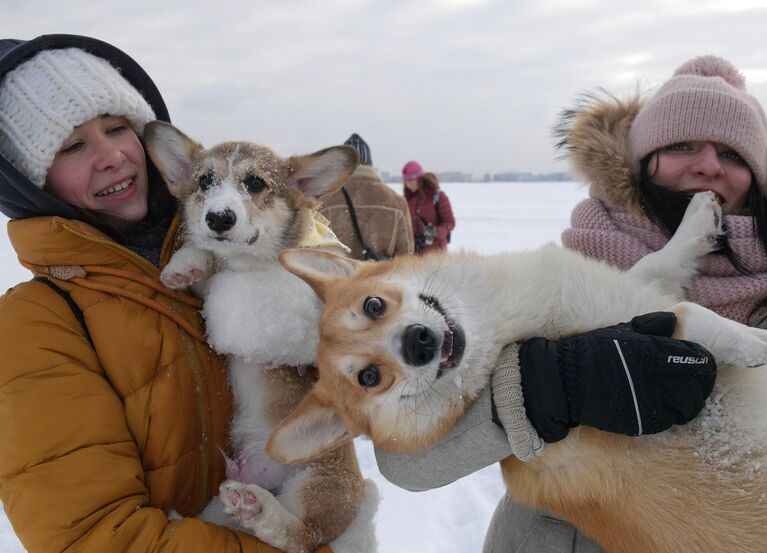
(369, 377)
(254, 184)
(374, 307)
(206, 181)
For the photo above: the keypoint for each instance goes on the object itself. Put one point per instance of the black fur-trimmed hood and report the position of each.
(593, 137)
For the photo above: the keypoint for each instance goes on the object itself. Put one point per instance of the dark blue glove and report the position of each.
(631, 378)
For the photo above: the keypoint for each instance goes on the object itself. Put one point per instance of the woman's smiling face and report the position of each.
(101, 167)
(698, 166)
(411, 184)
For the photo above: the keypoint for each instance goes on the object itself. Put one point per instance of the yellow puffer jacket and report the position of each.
(99, 442)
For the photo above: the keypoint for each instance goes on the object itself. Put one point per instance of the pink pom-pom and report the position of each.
(713, 66)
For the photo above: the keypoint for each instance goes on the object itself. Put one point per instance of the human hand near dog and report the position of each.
(631, 378)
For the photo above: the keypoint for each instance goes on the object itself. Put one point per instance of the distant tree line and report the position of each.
(511, 176)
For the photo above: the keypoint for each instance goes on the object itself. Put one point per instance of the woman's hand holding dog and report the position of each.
(631, 378)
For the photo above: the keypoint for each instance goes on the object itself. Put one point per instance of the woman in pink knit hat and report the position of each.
(644, 159)
(429, 206)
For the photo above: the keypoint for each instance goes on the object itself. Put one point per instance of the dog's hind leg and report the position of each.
(673, 267)
(313, 507)
(729, 341)
(258, 511)
(360, 535)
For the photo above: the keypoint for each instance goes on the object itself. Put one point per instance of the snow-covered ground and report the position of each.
(491, 217)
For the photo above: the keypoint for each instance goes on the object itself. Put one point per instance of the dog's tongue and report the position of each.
(447, 346)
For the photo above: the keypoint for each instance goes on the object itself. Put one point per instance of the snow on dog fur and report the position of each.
(701, 487)
(242, 204)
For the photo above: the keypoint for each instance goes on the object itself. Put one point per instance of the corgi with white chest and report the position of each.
(242, 204)
(407, 344)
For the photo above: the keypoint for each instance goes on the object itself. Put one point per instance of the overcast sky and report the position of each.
(465, 85)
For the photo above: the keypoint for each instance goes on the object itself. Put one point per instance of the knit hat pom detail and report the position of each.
(713, 66)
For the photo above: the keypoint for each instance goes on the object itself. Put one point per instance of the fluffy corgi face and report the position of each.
(392, 354)
(240, 197)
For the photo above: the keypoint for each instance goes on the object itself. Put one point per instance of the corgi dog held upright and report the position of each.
(241, 205)
(407, 344)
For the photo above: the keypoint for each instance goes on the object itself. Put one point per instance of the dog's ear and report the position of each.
(320, 174)
(319, 269)
(173, 154)
(309, 431)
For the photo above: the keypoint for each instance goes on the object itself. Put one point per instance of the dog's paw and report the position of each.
(256, 510)
(240, 502)
(186, 267)
(748, 348)
(703, 223)
(730, 342)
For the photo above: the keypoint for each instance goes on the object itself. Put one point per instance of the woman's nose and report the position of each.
(108, 156)
(707, 163)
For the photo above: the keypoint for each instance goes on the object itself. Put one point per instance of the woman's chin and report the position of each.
(131, 207)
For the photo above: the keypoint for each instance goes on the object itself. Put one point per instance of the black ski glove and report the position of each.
(631, 378)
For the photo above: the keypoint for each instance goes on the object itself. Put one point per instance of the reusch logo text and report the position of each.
(687, 360)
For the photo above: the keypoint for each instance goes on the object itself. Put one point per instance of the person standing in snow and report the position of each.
(432, 216)
(366, 215)
(644, 160)
(113, 409)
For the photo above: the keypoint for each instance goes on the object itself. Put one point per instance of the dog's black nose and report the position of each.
(220, 221)
(418, 345)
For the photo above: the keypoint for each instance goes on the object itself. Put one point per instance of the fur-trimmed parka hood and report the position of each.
(593, 137)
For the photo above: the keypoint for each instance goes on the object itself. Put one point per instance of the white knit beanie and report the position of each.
(46, 97)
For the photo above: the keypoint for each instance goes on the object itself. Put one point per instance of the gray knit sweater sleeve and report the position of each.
(476, 441)
(473, 443)
(509, 400)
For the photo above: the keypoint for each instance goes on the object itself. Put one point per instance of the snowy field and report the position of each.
(491, 218)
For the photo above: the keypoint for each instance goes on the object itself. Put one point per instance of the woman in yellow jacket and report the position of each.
(113, 410)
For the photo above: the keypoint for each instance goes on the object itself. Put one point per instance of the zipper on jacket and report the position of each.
(194, 366)
(112, 244)
(200, 389)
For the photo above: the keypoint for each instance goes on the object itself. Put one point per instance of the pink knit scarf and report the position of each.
(621, 239)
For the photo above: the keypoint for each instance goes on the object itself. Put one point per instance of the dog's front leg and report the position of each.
(729, 341)
(189, 266)
(672, 267)
(266, 316)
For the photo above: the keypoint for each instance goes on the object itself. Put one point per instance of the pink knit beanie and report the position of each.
(412, 170)
(706, 99)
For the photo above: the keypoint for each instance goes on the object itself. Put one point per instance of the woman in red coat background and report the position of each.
(430, 209)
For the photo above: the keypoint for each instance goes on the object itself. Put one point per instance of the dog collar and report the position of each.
(320, 235)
